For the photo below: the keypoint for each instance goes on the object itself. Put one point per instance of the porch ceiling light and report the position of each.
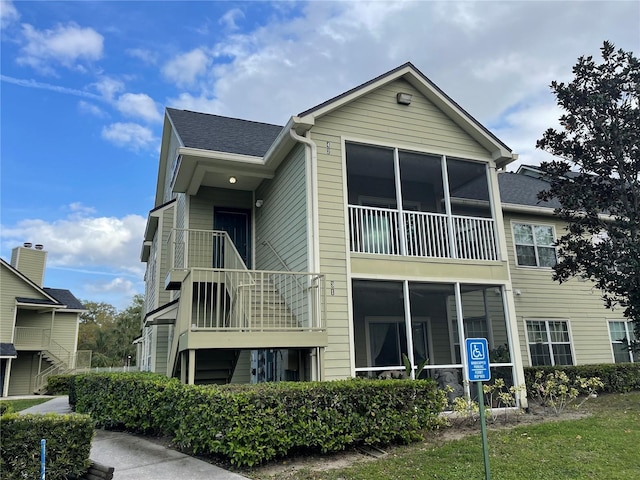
(404, 98)
(232, 179)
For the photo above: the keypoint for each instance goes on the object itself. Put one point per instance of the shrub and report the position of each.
(557, 390)
(132, 401)
(258, 423)
(5, 407)
(250, 424)
(58, 384)
(616, 377)
(68, 445)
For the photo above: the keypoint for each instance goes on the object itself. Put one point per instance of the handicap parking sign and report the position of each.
(477, 360)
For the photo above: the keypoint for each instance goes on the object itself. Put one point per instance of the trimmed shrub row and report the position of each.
(58, 384)
(67, 449)
(616, 377)
(251, 424)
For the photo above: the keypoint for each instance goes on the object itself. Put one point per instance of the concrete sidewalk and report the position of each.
(136, 458)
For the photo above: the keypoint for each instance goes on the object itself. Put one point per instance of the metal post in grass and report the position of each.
(477, 354)
(43, 456)
(483, 431)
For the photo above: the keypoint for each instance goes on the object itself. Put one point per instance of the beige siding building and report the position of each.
(38, 325)
(363, 238)
(559, 324)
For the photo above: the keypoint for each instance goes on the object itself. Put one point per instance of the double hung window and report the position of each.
(621, 333)
(534, 245)
(549, 342)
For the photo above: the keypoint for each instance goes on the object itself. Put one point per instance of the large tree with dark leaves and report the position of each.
(596, 177)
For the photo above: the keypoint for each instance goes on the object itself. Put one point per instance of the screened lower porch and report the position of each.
(403, 322)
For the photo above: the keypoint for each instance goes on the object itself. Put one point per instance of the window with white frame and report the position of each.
(534, 245)
(621, 333)
(549, 342)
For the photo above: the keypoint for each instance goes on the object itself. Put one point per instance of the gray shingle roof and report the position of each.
(523, 190)
(7, 350)
(37, 301)
(66, 298)
(223, 134)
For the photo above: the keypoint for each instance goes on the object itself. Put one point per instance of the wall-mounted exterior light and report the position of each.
(232, 180)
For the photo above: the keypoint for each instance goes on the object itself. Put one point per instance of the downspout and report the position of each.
(312, 224)
(312, 198)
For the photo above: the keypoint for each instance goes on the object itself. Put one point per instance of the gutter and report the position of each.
(530, 209)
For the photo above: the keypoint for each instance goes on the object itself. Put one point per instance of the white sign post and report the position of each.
(478, 371)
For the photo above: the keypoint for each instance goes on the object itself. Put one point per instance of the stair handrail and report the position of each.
(58, 365)
(59, 351)
(267, 243)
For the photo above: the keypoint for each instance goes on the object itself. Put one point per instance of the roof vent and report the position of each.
(39, 246)
(27, 244)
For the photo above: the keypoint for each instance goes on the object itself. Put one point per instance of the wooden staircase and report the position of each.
(57, 366)
(266, 307)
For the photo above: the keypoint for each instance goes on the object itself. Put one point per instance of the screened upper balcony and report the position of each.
(420, 205)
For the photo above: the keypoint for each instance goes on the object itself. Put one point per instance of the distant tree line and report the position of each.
(109, 333)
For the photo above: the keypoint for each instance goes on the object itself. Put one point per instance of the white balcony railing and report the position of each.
(32, 338)
(421, 234)
(227, 296)
(256, 300)
(203, 249)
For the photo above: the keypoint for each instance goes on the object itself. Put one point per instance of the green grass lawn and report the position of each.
(18, 405)
(601, 446)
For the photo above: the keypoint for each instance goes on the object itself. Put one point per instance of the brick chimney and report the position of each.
(30, 261)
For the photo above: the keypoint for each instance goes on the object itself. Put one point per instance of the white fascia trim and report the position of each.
(355, 94)
(230, 157)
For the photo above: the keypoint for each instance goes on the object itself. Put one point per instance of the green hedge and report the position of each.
(5, 407)
(68, 444)
(617, 377)
(251, 424)
(58, 384)
(131, 401)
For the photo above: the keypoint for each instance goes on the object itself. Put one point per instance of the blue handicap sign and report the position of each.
(478, 360)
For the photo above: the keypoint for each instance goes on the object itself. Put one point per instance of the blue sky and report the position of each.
(83, 87)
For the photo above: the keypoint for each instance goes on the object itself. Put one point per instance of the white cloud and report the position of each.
(83, 240)
(8, 13)
(131, 136)
(119, 285)
(201, 103)
(109, 87)
(489, 57)
(230, 18)
(91, 109)
(30, 83)
(66, 45)
(96, 257)
(524, 125)
(184, 69)
(138, 105)
(79, 209)
(147, 56)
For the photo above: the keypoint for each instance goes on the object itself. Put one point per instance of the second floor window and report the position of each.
(534, 245)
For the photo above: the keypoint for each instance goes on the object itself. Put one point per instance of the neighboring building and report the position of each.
(366, 229)
(559, 324)
(38, 325)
